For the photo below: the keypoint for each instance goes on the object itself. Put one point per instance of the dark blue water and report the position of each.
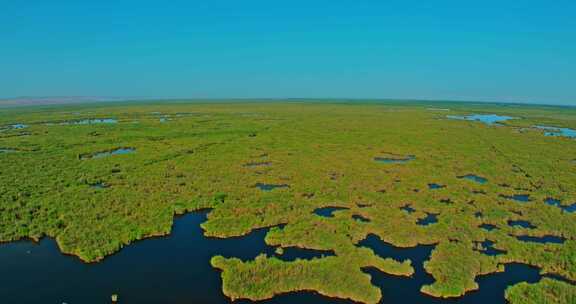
(119, 151)
(327, 211)
(397, 289)
(488, 227)
(474, 178)
(270, 187)
(554, 131)
(488, 248)
(524, 198)
(489, 119)
(428, 220)
(542, 239)
(176, 269)
(408, 209)
(173, 269)
(389, 160)
(435, 186)
(557, 203)
(521, 223)
(446, 201)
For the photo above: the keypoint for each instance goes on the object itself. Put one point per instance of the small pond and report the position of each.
(257, 164)
(95, 121)
(360, 218)
(542, 239)
(270, 187)
(17, 126)
(474, 178)
(557, 203)
(430, 218)
(489, 119)
(394, 160)
(7, 150)
(488, 227)
(434, 186)
(523, 198)
(119, 151)
(487, 248)
(99, 185)
(328, 211)
(522, 224)
(555, 131)
(408, 209)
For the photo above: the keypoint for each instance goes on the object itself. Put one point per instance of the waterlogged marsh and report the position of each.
(489, 119)
(474, 178)
(118, 151)
(555, 131)
(557, 203)
(325, 153)
(395, 159)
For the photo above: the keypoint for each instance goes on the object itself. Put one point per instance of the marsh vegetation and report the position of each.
(336, 192)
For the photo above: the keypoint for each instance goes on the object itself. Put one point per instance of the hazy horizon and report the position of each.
(445, 50)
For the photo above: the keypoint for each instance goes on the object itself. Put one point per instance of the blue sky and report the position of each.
(466, 50)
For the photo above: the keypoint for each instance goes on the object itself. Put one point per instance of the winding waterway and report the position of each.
(176, 269)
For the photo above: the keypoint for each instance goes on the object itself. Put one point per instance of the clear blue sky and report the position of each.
(502, 50)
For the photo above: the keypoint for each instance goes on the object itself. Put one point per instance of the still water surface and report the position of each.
(176, 269)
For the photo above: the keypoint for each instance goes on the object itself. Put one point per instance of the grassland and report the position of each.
(212, 155)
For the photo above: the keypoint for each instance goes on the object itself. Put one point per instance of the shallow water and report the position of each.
(488, 248)
(119, 151)
(557, 203)
(5, 150)
(428, 220)
(328, 211)
(474, 178)
(17, 126)
(99, 185)
(270, 187)
(524, 198)
(360, 218)
(555, 131)
(92, 121)
(488, 227)
(435, 186)
(257, 164)
(408, 209)
(522, 224)
(489, 119)
(390, 160)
